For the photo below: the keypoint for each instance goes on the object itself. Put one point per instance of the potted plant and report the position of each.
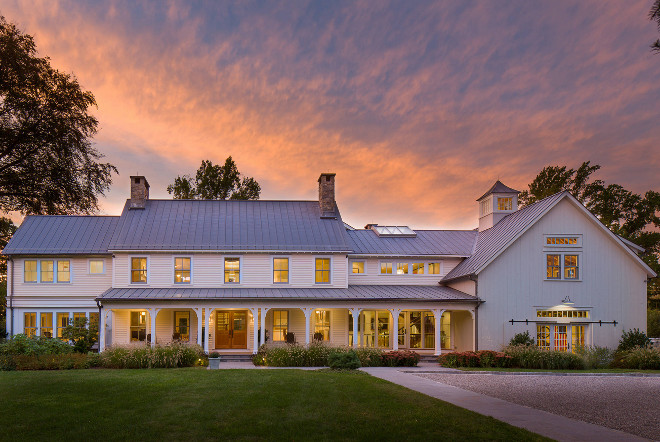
(214, 360)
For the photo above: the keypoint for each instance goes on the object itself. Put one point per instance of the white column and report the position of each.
(474, 330)
(206, 330)
(153, 313)
(264, 310)
(308, 314)
(198, 311)
(356, 324)
(102, 330)
(437, 313)
(255, 329)
(55, 325)
(395, 328)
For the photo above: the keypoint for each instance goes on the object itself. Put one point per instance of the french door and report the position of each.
(561, 337)
(231, 329)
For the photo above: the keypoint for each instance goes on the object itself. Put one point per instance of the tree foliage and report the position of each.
(654, 15)
(632, 216)
(215, 182)
(82, 336)
(47, 162)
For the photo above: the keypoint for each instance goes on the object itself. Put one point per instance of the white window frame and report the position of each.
(424, 268)
(54, 281)
(441, 268)
(37, 269)
(57, 271)
(504, 198)
(364, 263)
(562, 246)
(386, 261)
(89, 266)
(130, 270)
(240, 269)
(408, 273)
(191, 270)
(272, 269)
(561, 254)
(329, 258)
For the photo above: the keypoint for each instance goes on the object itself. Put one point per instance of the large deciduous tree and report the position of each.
(632, 216)
(215, 182)
(654, 15)
(47, 162)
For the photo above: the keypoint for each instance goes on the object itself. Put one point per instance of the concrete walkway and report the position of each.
(538, 421)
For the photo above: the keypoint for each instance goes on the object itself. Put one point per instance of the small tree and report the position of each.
(522, 339)
(82, 336)
(633, 338)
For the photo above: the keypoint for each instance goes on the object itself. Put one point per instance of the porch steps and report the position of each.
(235, 358)
(428, 358)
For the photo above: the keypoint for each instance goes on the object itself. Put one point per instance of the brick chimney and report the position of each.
(139, 192)
(327, 195)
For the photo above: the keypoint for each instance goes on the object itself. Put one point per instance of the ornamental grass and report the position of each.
(162, 356)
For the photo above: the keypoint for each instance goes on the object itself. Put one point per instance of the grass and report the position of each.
(198, 404)
(596, 370)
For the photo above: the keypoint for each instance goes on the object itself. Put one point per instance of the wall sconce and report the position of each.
(567, 300)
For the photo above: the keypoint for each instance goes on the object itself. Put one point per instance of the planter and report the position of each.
(214, 363)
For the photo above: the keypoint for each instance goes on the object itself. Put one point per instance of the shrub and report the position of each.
(347, 360)
(595, 357)
(640, 358)
(527, 356)
(82, 335)
(400, 358)
(522, 339)
(370, 357)
(633, 338)
(66, 361)
(482, 358)
(39, 345)
(653, 323)
(166, 356)
(214, 354)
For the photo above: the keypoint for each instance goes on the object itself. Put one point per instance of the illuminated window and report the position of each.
(553, 267)
(543, 336)
(182, 270)
(418, 268)
(563, 267)
(280, 325)
(47, 271)
(322, 270)
(46, 325)
(138, 326)
(402, 268)
(562, 313)
(63, 271)
(62, 322)
(429, 330)
(434, 268)
(93, 319)
(321, 325)
(233, 270)
(505, 204)
(181, 326)
(357, 267)
(30, 271)
(280, 270)
(139, 270)
(79, 317)
(562, 241)
(385, 268)
(96, 266)
(570, 267)
(30, 324)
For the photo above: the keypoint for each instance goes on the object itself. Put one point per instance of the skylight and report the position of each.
(399, 231)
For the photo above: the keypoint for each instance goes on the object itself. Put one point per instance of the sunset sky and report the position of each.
(417, 106)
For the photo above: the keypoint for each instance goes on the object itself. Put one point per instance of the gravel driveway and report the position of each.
(630, 404)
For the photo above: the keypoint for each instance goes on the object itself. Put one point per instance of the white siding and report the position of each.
(464, 285)
(372, 275)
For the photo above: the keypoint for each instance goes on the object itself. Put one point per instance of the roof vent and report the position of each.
(393, 231)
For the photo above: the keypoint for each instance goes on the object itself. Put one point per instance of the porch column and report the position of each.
(153, 312)
(395, 328)
(437, 314)
(198, 312)
(101, 331)
(264, 310)
(54, 335)
(255, 329)
(474, 330)
(206, 330)
(356, 316)
(308, 314)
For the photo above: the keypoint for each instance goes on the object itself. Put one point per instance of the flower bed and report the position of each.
(166, 356)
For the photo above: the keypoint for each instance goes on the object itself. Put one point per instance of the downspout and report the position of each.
(11, 298)
(476, 311)
(100, 306)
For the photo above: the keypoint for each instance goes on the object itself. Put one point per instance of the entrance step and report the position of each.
(235, 358)
(428, 358)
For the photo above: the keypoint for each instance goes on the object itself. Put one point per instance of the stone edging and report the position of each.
(536, 373)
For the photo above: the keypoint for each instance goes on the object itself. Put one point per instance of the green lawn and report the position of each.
(198, 404)
(598, 370)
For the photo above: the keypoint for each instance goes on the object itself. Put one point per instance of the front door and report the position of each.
(231, 329)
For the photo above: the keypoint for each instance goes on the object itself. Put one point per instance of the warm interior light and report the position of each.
(567, 300)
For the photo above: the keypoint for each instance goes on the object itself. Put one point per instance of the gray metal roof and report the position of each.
(65, 234)
(499, 187)
(229, 225)
(353, 292)
(427, 242)
(491, 241)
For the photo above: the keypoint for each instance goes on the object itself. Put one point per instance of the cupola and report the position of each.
(498, 202)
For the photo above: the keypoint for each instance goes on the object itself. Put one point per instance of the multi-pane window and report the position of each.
(485, 207)
(402, 268)
(434, 268)
(47, 271)
(232, 270)
(182, 270)
(46, 325)
(562, 313)
(553, 267)
(561, 240)
(93, 319)
(78, 317)
(138, 326)
(357, 267)
(429, 330)
(30, 271)
(322, 325)
(139, 270)
(30, 324)
(322, 270)
(505, 204)
(385, 268)
(62, 322)
(280, 270)
(96, 266)
(418, 268)
(63, 271)
(543, 336)
(570, 267)
(181, 326)
(280, 325)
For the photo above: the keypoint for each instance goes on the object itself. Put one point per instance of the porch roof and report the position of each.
(352, 293)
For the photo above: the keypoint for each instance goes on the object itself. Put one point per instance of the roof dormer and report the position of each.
(498, 202)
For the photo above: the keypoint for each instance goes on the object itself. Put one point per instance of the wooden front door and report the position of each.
(231, 329)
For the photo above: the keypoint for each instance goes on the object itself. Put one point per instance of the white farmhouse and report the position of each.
(230, 275)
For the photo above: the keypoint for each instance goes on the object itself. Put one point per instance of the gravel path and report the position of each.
(630, 404)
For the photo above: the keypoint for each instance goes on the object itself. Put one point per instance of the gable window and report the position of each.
(63, 271)
(96, 266)
(138, 326)
(280, 270)
(570, 267)
(321, 325)
(182, 270)
(563, 266)
(562, 241)
(139, 270)
(357, 267)
(233, 270)
(30, 324)
(322, 270)
(553, 268)
(47, 271)
(402, 268)
(505, 204)
(181, 326)
(434, 268)
(385, 268)
(30, 271)
(280, 325)
(418, 268)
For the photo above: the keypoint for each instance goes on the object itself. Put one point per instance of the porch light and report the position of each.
(567, 300)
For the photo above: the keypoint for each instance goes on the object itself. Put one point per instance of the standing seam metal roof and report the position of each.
(427, 242)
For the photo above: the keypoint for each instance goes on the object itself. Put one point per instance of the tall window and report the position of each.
(181, 326)
(418, 268)
(570, 267)
(385, 268)
(504, 203)
(434, 268)
(280, 325)
(445, 330)
(321, 325)
(357, 267)
(139, 270)
(93, 319)
(30, 324)
(484, 207)
(182, 270)
(553, 267)
(30, 271)
(402, 268)
(280, 270)
(46, 324)
(138, 326)
(96, 266)
(62, 322)
(63, 271)
(233, 270)
(543, 336)
(322, 270)
(47, 271)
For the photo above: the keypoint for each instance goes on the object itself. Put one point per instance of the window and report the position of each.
(30, 271)
(543, 336)
(139, 270)
(182, 270)
(47, 272)
(280, 325)
(280, 270)
(434, 268)
(63, 271)
(321, 325)
(357, 267)
(388, 231)
(30, 324)
(96, 266)
(402, 268)
(429, 330)
(418, 268)
(485, 207)
(46, 325)
(138, 326)
(181, 326)
(562, 240)
(570, 267)
(562, 313)
(322, 270)
(505, 204)
(94, 319)
(62, 321)
(233, 270)
(553, 268)
(385, 268)
(79, 316)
